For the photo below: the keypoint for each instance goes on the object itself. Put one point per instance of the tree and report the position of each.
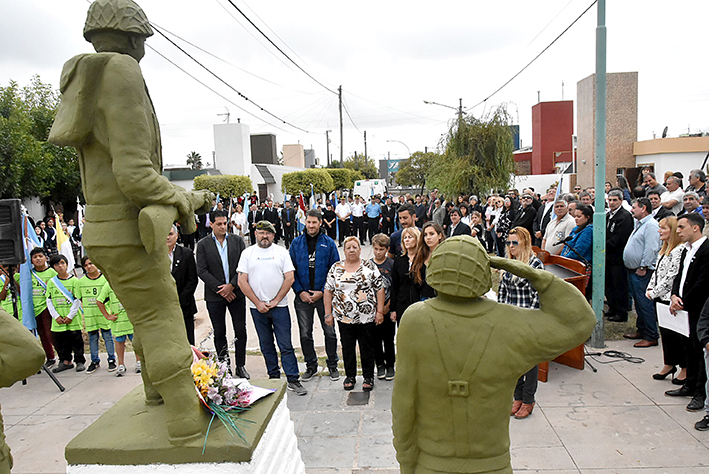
(356, 162)
(226, 185)
(478, 155)
(344, 178)
(414, 170)
(300, 181)
(194, 160)
(29, 166)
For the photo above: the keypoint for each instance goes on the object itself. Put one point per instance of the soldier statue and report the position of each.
(459, 356)
(106, 114)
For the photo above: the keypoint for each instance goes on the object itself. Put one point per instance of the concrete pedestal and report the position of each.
(132, 437)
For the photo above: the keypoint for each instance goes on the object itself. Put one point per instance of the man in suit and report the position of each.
(289, 223)
(457, 227)
(619, 226)
(184, 271)
(658, 210)
(217, 258)
(389, 217)
(527, 213)
(689, 293)
(253, 217)
(270, 214)
(543, 217)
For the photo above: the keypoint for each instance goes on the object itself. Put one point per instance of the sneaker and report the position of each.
(308, 374)
(121, 371)
(93, 367)
(297, 387)
(334, 374)
(390, 373)
(50, 363)
(381, 372)
(138, 367)
(80, 367)
(61, 367)
(112, 366)
(703, 424)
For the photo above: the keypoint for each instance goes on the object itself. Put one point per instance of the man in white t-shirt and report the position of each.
(672, 198)
(266, 274)
(343, 211)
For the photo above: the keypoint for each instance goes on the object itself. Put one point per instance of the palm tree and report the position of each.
(194, 160)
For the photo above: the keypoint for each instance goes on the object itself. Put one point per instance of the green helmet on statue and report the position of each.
(460, 266)
(117, 15)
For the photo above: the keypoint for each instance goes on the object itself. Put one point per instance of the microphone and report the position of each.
(563, 241)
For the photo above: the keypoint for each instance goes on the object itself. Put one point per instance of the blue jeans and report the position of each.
(93, 345)
(306, 314)
(276, 322)
(644, 307)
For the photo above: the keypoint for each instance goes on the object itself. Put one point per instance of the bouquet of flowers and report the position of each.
(224, 396)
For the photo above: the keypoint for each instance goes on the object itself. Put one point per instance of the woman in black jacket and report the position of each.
(404, 291)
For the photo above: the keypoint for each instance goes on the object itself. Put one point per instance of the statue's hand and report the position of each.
(201, 201)
(539, 279)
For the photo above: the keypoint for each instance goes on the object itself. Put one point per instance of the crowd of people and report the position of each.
(656, 254)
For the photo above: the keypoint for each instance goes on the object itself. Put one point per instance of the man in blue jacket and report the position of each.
(313, 253)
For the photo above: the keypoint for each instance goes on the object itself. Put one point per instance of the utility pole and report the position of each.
(460, 110)
(365, 148)
(599, 231)
(327, 139)
(342, 161)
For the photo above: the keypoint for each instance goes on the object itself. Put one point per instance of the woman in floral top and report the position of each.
(354, 295)
(659, 290)
(518, 291)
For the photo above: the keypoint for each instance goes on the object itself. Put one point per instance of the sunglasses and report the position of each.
(514, 243)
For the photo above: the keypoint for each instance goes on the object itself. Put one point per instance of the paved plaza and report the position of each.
(615, 421)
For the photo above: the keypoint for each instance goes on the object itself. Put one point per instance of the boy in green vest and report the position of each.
(64, 306)
(90, 287)
(41, 274)
(122, 329)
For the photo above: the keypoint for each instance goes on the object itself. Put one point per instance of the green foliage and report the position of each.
(298, 181)
(369, 169)
(194, 160)
(344, 178)
(226, 185)
(29, 166)
(414, 170)
(478, 155)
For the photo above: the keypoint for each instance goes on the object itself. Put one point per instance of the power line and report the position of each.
(226, 83)
(278, 48)
(212, 90)
(350, 117)
(550, 22)
(228, 63)
(535, 58)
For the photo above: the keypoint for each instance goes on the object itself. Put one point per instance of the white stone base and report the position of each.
(277, 453)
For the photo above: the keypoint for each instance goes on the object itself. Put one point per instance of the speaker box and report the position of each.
(11, 250)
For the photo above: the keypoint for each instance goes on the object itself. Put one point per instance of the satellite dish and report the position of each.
(664, 133)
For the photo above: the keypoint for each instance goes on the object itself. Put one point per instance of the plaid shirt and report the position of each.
(518, 291)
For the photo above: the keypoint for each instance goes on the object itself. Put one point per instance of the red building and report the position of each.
(552, 138)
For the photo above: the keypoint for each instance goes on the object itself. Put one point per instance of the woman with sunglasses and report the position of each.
(518, 291)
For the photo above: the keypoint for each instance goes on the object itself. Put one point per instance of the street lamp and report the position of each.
(458, 109)
(397, 141)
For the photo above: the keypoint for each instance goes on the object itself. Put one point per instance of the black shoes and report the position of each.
(617, 318)
(696, 404)
(680, 392)
(381, 372)
(242, 373)
(703, 424)
(308, 374)
(664, 376)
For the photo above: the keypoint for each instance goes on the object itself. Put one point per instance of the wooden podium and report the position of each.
(573, 272)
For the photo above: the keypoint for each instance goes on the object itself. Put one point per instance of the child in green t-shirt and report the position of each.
(64, 306)
(90, 286)
(41, 274)
(122, 329)
(5, 293)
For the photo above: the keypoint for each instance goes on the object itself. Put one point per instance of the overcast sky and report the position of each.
(388, 56)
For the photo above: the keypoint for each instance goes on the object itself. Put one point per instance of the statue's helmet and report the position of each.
(116, 15)
(460, 266)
